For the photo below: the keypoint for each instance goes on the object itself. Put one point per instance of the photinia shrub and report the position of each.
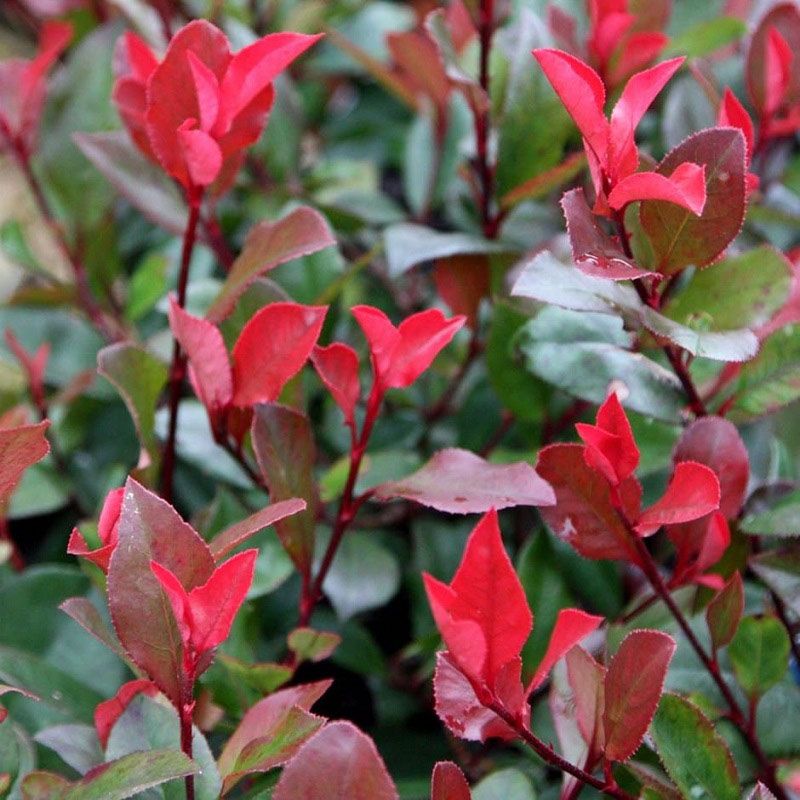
(404, 412)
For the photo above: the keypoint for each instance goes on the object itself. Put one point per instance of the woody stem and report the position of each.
(482, 122)
(551, 757)
(177, 369)
(186, 709)
(348, 507)
(651, 571)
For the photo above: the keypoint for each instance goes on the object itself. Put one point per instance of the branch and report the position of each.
(177, 370)
(551, 757)
(651, 571)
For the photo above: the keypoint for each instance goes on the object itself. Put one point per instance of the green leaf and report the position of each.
(408, 244)
(80, 101)
(761, 278)
(725, 611)
(144, 185)
(116, 780)
(76, 744)
(15, 246)
(759, 653)
(706, 37)
(548, 280)
(264, 678)
(41, 490)
(504, 784)
(782, 519)
(301, 232)
(62, 697)
(147, 286)
(780, 571)
(310, 645)
(772, 379)
(678, 237)
(140, 378)
(695, 756)
(586, 369)
(523, 394)
(534, 126)
(364, 575)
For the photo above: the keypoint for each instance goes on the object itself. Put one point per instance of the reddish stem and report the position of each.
(216, 240)
(108, 330)
(348, 507)
(177, 369)
(442, 406)
(551, 757)
(489, 222)
(651, 571)
(186, 709)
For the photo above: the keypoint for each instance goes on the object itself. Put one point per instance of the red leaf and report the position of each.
(268, 245)
(272, 349)
(762, 76)
(483, 614)
(732, 114)
(205, 614)
(633, 686)
(448, 783)
(20, 447)
(460, 482)
(716, 443)
(338, 763)
(692, 493)
(636, 98)
(587, 680)
(584, 515)
(209, 368)
(337, 367)
(254, 68)
(200, 153)
(593, 250)
(459, 708)
(686, 187)
(699, 545)
(778, 71)
(107, 530)
(610, 446)
(263, 721)
(638, 50)
(170, 102)
(462, 281)
(572, 625)
(400, 355)
(23, 86)
(241, 531)
(678, 237)
(151, 530)
(109, 711)
(582, 93)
